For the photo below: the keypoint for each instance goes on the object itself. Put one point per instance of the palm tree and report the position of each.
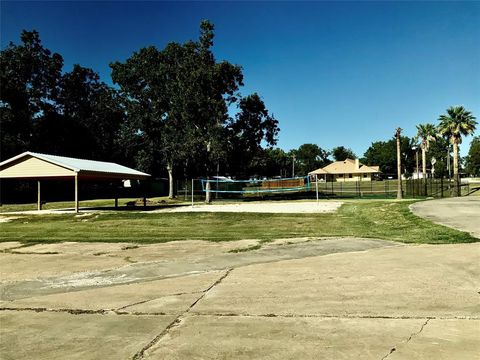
(457, 122)
(399, 164)
(426, 133)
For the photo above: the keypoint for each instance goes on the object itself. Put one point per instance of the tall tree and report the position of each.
(399, 164)
(472, 165)
(87, 120)
(251, 126)
(177, 99)
(438, 150)
(277, 162)
(29, 75)
(310, 157)
(457, 122)
(340, 153)
(426, 133)
(383, 154)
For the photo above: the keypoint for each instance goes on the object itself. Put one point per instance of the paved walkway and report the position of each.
(462, 213)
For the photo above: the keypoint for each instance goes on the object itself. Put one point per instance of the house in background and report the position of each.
(347, 170)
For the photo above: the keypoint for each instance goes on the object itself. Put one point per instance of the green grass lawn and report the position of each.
(383, 219)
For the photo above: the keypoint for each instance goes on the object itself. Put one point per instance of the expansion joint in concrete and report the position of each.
(69, 311)
(178, 320)
(205, 292)
(159, 297)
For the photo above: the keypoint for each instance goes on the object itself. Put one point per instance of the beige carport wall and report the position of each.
(35, 166)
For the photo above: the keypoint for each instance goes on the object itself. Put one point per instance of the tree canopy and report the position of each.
(309, 157)
(472, 163)
(340, 153)
(45, 109)
(383, 154)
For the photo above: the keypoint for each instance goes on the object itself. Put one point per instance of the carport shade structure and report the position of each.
(36, 166)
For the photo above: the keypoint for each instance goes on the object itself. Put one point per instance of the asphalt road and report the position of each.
(461, 213)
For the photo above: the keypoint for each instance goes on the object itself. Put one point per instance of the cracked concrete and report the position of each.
(409, 338)
(330, 298)
(178, 320)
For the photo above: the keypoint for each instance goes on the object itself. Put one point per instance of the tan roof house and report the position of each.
(347, 170)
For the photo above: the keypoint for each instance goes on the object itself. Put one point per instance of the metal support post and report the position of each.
(39, 202)
(76, 193)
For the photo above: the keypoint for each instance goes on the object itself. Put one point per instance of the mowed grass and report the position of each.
(101, 203)
(384, 219)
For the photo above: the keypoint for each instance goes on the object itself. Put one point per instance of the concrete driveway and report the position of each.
(334, 298)
(462, 213)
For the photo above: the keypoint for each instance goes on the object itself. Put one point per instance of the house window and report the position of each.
(340, 175)
(350, 176)
(364, 175)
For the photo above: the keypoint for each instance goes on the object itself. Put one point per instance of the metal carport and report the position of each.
(36, 166)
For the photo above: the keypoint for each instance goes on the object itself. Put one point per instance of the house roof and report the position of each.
(318, 172)
(348, 166)
(80, 166)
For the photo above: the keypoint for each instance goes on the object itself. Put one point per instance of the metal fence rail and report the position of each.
(420, 188)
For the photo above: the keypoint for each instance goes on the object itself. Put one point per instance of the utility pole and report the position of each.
(293, 166)
(399, 165)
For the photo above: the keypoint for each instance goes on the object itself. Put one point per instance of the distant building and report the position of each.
(347, 170)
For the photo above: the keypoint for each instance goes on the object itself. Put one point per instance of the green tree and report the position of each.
(252, 126)
(473, 158)
(384, 154)
(88, 118)
(457, 122)
(309, 157)
(426, 133)
(438, 150)
(29, 76)
(277, 162)
(340, 153)
(177, 101)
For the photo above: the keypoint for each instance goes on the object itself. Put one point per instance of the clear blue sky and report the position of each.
(333, 73)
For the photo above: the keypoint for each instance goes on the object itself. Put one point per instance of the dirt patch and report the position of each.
(4, 219)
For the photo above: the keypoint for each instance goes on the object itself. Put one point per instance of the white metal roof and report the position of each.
(81, 165)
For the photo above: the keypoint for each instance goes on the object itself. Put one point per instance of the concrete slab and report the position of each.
(47, 335)
(172, 259)
(334, 298)
(15, 267)
(442, 340)
(9, 245)
(211, 337)
(461, 213)
(174, 295)
(409, 281)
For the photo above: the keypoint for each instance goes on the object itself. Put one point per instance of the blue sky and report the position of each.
(333, 73)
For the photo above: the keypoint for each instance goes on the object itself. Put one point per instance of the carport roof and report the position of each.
(80, 166)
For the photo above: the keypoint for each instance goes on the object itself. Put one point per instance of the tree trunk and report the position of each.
(456, 175)
(208, 197)
(399, 166)
(171, 194)
(424, 170)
